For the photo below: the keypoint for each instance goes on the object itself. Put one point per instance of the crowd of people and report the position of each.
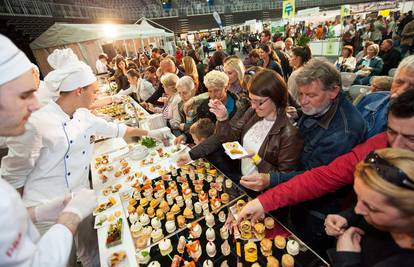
(311, 147)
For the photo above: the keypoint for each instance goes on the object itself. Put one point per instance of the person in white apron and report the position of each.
(52, 157)
(20, 241)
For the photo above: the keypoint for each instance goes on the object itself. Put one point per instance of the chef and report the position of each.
(20, 241)
(52, 157)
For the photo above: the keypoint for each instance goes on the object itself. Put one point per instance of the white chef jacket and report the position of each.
(52, 157)
(20, 242)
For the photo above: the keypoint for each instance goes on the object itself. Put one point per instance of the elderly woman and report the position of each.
(141, 87)
(234, 69)
(217, 84)
(383, 218)
(186, 90)
(171, 100)
(368, 66)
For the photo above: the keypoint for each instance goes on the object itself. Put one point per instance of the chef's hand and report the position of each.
(253, 210)
(82, 203)
(256, 182)
(335, 225)
(50, 210)
(183, 159)
(350, 240)
(117, 98)
(159, 133)
(179, 140)
(218, 109)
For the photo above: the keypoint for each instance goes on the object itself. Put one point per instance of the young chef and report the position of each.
(20, 242)
(52, 157)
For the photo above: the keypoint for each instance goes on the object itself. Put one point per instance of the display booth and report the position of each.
(89, 40)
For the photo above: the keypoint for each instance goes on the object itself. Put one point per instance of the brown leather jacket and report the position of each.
(281, 148)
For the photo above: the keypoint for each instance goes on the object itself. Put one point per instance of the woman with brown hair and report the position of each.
(264, 130)
(346, 62)
(120, 73)
(383, 218)
(300, 55)
(269, 59)
(190, 69)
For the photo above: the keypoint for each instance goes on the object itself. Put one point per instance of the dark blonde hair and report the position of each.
(397, 196)
(202, 128)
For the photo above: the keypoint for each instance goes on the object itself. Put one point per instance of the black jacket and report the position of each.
(391, 60)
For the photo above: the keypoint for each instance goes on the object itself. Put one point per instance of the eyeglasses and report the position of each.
(389, 172)
(258, 103)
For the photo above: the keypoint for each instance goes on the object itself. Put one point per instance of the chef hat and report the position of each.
(13, 62)
(69, 72)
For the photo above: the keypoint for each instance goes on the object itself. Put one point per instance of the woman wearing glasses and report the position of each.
(264, 130)
(379, 231)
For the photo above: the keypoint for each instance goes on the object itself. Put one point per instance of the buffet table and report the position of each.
(153, 213)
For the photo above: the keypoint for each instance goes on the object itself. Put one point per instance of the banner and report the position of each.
(373, 6)
(345, 10)
(218, 19)
(288, 10)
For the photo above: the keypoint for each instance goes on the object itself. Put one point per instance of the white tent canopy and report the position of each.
(61, 34)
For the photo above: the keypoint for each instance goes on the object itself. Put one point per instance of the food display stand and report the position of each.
(152, 212)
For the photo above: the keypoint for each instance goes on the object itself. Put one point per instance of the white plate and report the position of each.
(234, 145)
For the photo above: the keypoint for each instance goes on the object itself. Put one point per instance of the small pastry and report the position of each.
(292, 247)
(181, 221)
(215, 204)
(240, 205)
(246, 229)
(210, 220)
(280, 242)
(143, 202)
(154, 264)
(132, 201)
(212, 193)
(224, 233)
(225, 198)
(154, 203)
(157, 235)
(170, 200)
(142, 241)
(155, 223)
(198, 188)
(255, 264)
(165, 247)
(170, 226)
(133, 217)
(143, 256)
(195, 230)
(131, 209)
(211, 249)
(170, 216)
(189, 203)
(175, 209)
(147, 230)
(208, 263)
(220, 179)
(180, 201)
(272, 262)
(224, 264)
(187, 193)
(269, 223)
(288, 261)
(210, 234)
(266, 247)
(136, 229)
(188, 214)
(194, 249)
(140, 210)
(250, 251)
(197, 207)
(203, 197)
(228, 183)
(259, 230)
(225, 248)
(151, 212)
(176, 261)
(160, 214)
(181, 245)
(144, 219)
(212, 172)
(222, 216)
(209, 179)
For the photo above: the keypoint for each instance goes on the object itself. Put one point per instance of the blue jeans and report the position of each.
(362, 80)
